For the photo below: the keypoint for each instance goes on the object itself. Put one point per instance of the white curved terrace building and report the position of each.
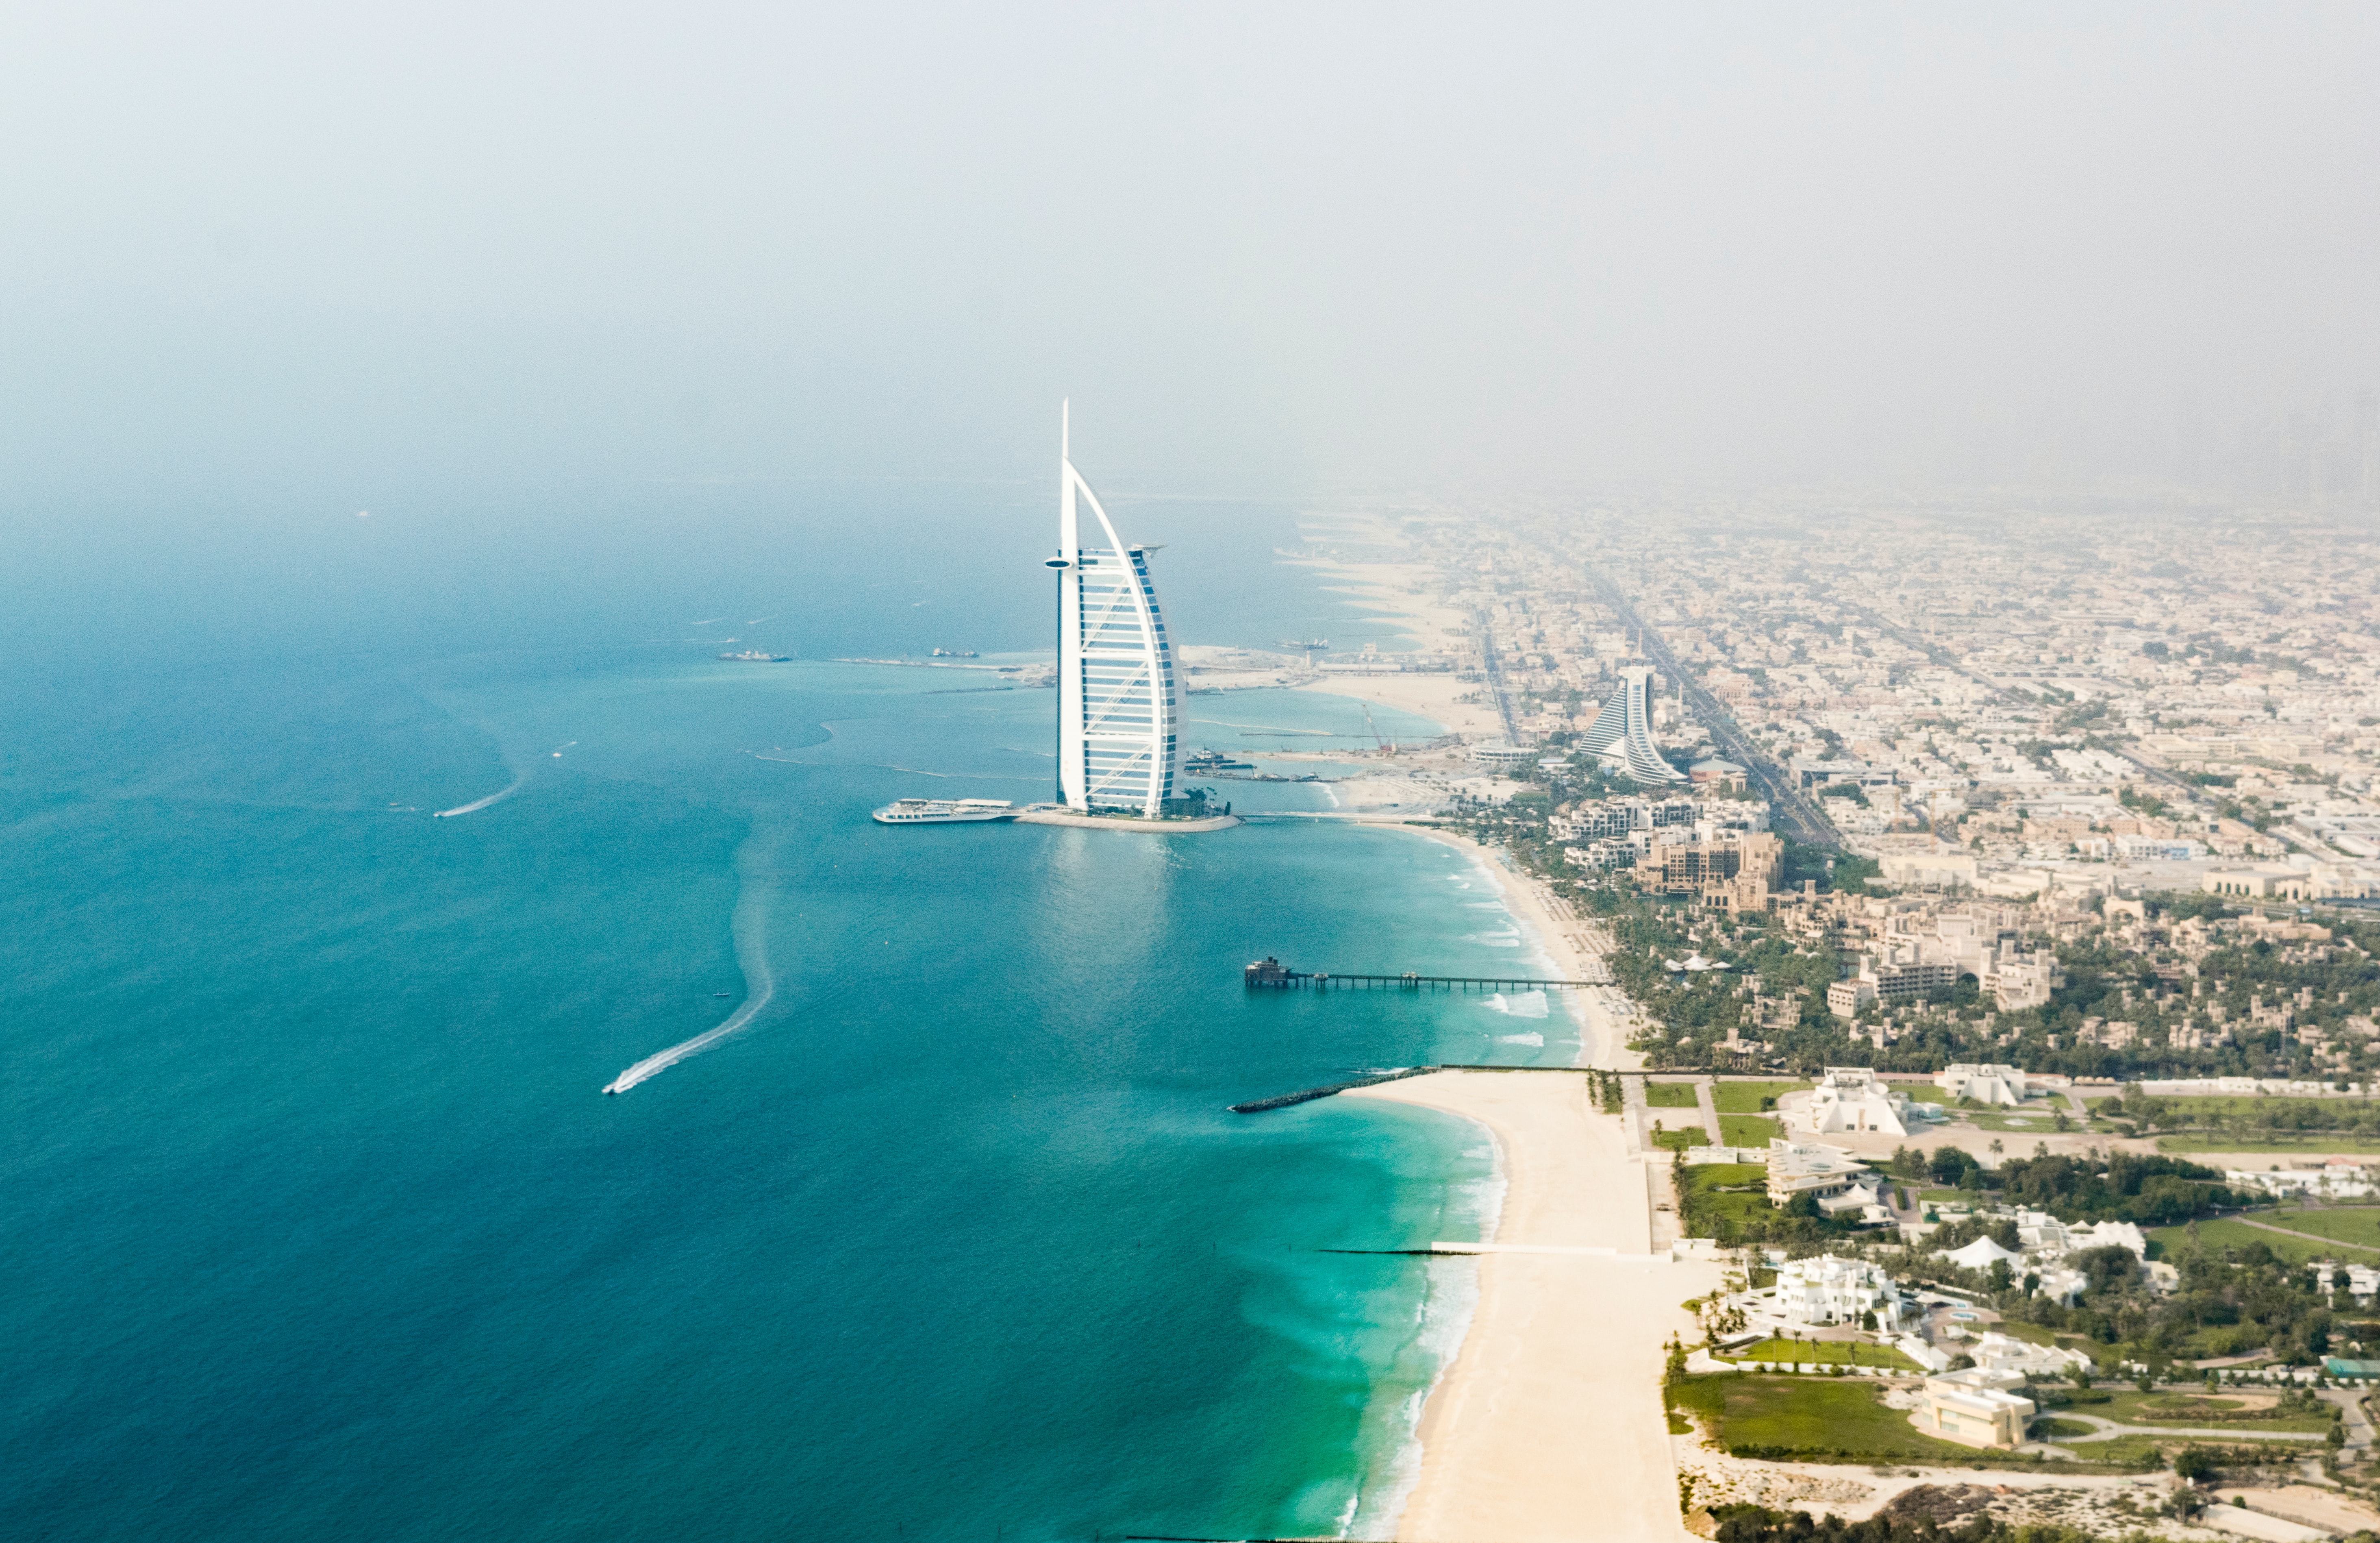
(1120, 709)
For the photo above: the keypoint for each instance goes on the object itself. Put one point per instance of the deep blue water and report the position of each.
(318, 1226)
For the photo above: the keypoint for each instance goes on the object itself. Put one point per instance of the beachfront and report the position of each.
(1548, 1425)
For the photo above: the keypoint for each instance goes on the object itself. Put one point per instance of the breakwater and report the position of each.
(1310, 1094)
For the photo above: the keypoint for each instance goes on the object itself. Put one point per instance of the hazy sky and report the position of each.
(1262, 246)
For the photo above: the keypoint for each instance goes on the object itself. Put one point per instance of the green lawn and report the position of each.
(1839, 1419)
(1677, 1140)
(2131, 1406)
(2226, 1233)
(1670, 1095)
(1745, 1098)
(1748, 1130)
(2055, 1430)
(2357, 1226)
(1703, 1205)
(2223, 1106)
(2017, 1121)
(1826, 1353)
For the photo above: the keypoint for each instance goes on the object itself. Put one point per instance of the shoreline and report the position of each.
(1547, 1424)
(1548, 1421)
(1539, 915)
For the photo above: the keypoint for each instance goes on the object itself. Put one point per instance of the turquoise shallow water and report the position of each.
(319, 1224)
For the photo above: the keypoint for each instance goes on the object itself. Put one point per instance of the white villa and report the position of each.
(2044, 1233)
(1811, 1168)
(1854, 1098)
(1975, 1408)
(2338, 1179)
(2359, 1281)
(1999, 1353)
(1827, 1290)
(1987, 1084)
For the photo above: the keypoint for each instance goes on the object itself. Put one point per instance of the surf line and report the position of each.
(751, 927)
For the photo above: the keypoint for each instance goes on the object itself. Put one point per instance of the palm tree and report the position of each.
(1995, 1146)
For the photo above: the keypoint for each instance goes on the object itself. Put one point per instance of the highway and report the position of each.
(1792, 811)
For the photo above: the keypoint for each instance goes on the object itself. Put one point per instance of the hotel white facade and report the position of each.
(1623, 733)
(1120, 699)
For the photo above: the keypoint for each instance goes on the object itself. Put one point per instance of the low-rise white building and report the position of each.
(1994, 1352)
(1975, 1408)
(2359, 1281)
(1828, 1290)
(2340, 1180)
(2064, 1287)
(2043, 1233)
(1987, 1084)
(1810, 1168)
(1854, 1098)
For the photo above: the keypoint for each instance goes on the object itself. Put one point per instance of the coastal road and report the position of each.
(1793, 811)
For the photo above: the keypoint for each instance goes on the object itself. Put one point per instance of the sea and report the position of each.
(319, 1223)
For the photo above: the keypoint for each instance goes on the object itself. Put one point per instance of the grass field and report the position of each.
(1826, 1353)
(1675, 1140)
(1839, 1419)
(1744, 1098)
(1670, 1095)
(2222, 1107)
(2054, 1429)
(2226, 1233)
(2167, 1407)
(1703, 1205)
(1748, 1130)
(2357, 1226)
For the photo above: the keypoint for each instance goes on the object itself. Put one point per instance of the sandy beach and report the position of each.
(1386, 588)
(1548, 1426)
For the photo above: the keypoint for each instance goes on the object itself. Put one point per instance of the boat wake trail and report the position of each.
(751, 955)
(474, 808)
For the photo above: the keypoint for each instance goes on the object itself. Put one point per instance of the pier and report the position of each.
(1271, 974)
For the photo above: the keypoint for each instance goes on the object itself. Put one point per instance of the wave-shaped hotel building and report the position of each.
(1623, 733)
(1120, 697)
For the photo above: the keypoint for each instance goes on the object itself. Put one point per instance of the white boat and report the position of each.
(945, 811)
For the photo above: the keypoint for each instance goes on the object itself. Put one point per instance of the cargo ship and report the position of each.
(945, 811)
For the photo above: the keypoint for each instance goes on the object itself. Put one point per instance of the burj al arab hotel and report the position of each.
(1120, 712)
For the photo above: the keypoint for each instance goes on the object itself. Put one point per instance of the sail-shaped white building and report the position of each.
(1622, 732)
(1120, 712)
